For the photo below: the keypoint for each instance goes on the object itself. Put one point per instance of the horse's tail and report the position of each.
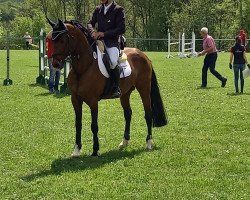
(158, 111)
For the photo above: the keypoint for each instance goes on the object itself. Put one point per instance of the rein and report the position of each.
(65, 54)
(68, 54)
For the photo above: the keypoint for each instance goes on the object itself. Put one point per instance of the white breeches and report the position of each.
(113, 53)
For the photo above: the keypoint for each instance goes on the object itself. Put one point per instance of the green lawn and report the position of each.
(202, 154)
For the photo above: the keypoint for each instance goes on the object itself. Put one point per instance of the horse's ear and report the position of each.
(52, 24)
(60, 21)
(61, 25)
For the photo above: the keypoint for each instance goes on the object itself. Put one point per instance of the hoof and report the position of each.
(149, 145)
(77, 152)
(95, 155)
(123, 144)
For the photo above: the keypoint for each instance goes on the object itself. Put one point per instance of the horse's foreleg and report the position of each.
(77, 104)
(127, 115)
(94, 129)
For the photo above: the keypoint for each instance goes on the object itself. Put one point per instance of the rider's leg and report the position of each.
(114, 71)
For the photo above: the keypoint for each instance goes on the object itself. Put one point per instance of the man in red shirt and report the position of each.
(55, 74)
(243, 37)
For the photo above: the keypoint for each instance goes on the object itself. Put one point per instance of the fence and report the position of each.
(150, 44)
(17, 43)
(162, 44)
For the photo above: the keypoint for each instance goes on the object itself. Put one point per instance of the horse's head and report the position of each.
(63, 43)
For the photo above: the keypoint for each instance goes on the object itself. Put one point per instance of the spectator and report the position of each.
(243, 37)
(238, 56)
(210, 50)
(28, 40)
(55, 74)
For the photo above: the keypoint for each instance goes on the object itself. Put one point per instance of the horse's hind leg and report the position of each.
(94, 128)
(144, 91)
(127, 115)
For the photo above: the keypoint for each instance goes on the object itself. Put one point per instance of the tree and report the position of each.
(7, 13)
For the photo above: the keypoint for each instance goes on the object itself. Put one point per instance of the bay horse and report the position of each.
(87, 84)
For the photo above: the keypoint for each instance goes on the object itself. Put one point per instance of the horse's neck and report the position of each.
(84, 54)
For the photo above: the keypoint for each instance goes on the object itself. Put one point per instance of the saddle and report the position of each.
(100, 53)
(104, 66)
(122, 61)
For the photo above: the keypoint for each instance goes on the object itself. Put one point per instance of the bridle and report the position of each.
(64, 54)
(67, 53)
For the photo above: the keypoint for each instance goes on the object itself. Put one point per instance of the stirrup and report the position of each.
(116, 93)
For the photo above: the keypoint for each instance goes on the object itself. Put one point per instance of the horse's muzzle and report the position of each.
(58, 64)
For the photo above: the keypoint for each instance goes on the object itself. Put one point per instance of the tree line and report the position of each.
(144, 18)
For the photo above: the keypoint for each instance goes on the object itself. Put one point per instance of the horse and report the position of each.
(87, 84)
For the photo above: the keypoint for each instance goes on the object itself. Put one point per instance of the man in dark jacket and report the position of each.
(108, 23)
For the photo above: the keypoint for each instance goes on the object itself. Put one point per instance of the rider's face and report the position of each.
(105, 1)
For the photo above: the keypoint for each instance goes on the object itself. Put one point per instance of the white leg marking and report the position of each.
(76, 152)
(123, 144)
(150, 144)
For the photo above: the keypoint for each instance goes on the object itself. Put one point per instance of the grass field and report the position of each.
(202, 154)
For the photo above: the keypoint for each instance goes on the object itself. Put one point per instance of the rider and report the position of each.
(109, 20)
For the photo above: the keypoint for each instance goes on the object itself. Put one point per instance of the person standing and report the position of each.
(108, 24)
(238, 56)
(243, 37)
(54, 76)
(210, 50)
(28, 40)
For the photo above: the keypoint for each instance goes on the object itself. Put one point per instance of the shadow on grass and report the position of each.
(205, 88)
(85, 162)
(57, 95)
(239, 94)
(37, 85)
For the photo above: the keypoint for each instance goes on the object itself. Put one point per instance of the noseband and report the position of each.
(64, 53)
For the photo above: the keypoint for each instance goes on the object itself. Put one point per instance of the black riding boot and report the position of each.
(115, 75)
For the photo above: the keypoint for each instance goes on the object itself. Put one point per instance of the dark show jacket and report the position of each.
(112, 23)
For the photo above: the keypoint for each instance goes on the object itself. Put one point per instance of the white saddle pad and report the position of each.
(126, 69)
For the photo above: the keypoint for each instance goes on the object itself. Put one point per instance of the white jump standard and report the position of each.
(191, 47)
(173, 43)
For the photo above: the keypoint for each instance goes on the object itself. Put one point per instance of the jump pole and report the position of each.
(8, 81)
(64, 87)
(193, 45)
(42, 60)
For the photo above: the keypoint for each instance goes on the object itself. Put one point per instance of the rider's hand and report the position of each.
(248, 66)
(201, 53)
(97, 35)
(101, 35)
